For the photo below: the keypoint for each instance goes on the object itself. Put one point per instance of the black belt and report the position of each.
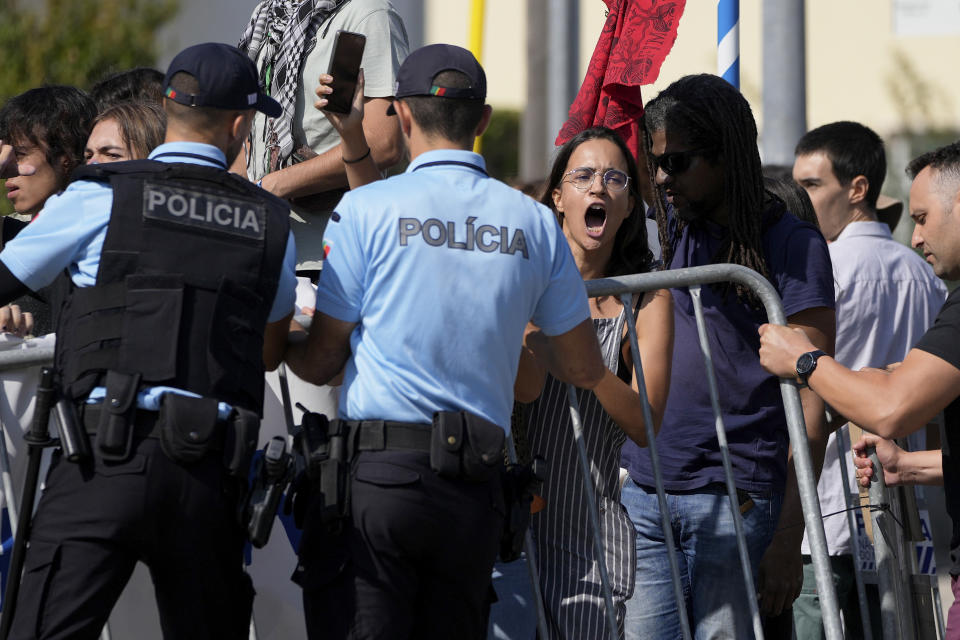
(145, 424)
(378, 435)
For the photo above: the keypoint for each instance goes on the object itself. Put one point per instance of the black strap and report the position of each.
(453, 162)
(197, 156)
(378, 435)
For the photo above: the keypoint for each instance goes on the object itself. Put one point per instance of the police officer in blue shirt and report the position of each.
(429, 282)
(182, 292)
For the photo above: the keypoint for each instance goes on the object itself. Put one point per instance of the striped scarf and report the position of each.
(282, 29)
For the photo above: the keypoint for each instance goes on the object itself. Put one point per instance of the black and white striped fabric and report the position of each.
(282, 29)
(569, 577)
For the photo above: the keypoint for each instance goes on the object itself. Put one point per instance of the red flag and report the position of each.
(636, 37)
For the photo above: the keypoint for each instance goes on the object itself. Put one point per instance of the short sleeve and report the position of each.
(563, 304)
(802, 271)
(385, 50)
(58, 236)
(943, 338)
(341, 285)
(286, 297)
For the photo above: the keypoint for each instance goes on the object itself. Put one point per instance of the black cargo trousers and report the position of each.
(96, 520)
(413, 561)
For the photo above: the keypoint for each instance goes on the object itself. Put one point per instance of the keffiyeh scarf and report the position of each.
(281, 29)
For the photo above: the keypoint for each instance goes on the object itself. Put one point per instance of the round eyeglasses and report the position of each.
(582, 178)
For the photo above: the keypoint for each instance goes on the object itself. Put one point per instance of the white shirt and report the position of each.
(887, 297)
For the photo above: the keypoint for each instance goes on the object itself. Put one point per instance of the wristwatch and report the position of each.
(807, 363)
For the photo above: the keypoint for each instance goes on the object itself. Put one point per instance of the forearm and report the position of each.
(871, 399)
(921, 467)
(312, 363)
(791, 514)
(360, 165)
(327, 170)
(623, 404)
(530, 377)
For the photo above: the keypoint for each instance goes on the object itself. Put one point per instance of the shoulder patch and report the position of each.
(242, 217)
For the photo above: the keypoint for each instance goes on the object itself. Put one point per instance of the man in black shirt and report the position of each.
(895, 402)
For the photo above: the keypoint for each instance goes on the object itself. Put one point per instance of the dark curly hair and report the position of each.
(55, 118)
(631, 253)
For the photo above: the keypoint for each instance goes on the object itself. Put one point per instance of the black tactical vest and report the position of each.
(187, 277)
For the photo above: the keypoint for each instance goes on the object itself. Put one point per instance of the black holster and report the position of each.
(114, 440)
(465, 446)
(240, 441)
(273, 474)
(520, 483)
(325, 446)
(73, 437)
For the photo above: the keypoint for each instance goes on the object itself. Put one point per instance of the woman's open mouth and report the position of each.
(595, 219)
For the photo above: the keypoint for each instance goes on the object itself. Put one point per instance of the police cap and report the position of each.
(227, 77)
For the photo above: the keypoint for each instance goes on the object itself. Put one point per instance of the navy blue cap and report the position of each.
(227, 77)
(416, 74)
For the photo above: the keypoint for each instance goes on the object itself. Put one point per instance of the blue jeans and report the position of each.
(703, 531)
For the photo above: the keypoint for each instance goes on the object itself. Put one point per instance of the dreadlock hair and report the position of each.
(707, 112)
(631, 253)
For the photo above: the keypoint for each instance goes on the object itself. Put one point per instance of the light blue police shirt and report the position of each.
(70, 230)
(442, 267)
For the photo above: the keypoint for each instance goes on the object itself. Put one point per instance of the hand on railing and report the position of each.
(15, 322)
(887, 452)
(780, 347)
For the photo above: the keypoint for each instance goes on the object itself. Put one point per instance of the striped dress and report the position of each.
(569, 577)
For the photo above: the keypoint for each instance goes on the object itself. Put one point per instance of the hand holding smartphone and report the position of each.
(345, 67)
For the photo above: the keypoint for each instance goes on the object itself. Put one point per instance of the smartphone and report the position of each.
(345, 67)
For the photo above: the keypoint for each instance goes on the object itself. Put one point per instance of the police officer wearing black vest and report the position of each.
(182, 292)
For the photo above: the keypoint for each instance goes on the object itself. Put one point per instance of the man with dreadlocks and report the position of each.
(711, 207)
(297, 156)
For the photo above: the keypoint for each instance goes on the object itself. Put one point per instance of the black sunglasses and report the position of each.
(676, 162)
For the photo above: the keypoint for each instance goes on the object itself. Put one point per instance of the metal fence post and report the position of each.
(627, 300)
(852, 505)
(883, 550)
(745, 563)
(588, 490)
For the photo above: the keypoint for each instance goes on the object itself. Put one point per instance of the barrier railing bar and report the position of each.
(887, 573)
(627, 300)
(745, 564)
(528, 548)
(589, 490)
(937, 606)
(793, 410)
(852, 504)
(21, 358)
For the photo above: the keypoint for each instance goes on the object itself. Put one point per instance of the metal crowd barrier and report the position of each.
(624, 287)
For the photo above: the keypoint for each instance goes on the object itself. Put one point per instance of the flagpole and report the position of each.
(477, 12)
(728, 41)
